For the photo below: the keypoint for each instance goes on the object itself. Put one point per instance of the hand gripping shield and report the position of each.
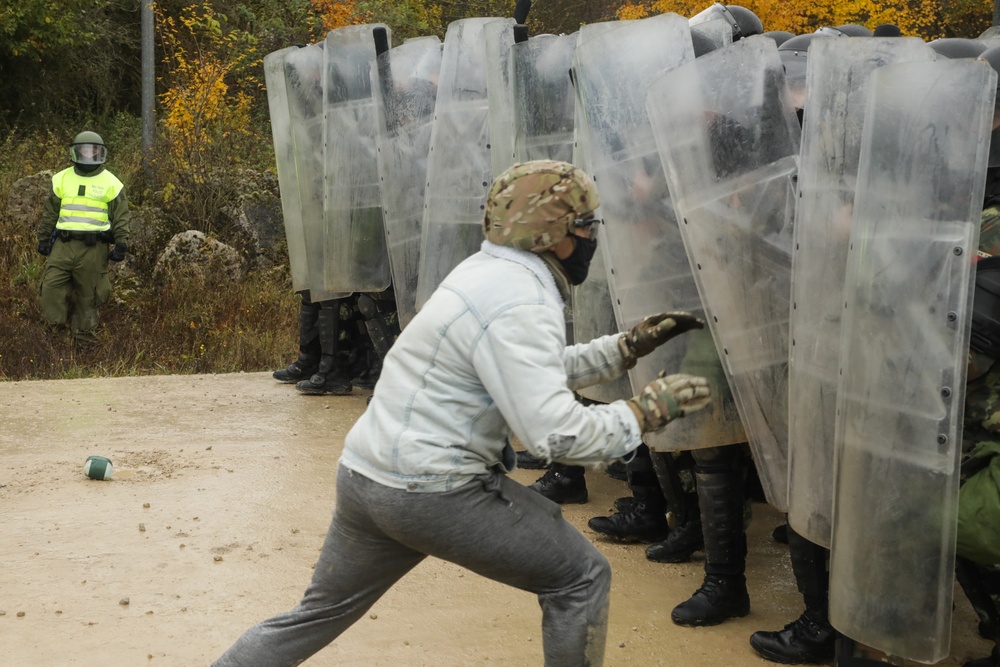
(357, 260)
(284, 156)
(543, 98)
(648, 271)
(904, 346)
(458, 168)
(839, 72)
(404, 87)
(728, 138)
(304, 92)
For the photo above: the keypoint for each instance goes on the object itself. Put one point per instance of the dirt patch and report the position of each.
(221, 496)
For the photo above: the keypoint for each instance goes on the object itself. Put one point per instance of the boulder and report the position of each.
(191, 254)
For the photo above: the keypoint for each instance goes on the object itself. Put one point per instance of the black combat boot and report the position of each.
(680, 545)
(646, 520)
(562, 484)
(723, 595)
(330, 378)
(309, 346)
(529, 461)
(810, 638)
(625, 503)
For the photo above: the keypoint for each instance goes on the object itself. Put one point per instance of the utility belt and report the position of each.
(89, 238)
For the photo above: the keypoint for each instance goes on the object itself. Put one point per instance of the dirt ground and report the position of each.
(222, 491)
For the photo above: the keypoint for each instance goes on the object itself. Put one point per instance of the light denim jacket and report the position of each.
(487, 356)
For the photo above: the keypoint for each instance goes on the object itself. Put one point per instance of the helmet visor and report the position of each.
(88, 153)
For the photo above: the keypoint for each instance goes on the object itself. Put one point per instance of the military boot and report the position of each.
(639, 523)
(529, 461)
(309, 346)
(808, 639)
(723, 594)
(680, 545)
(562, 484)
(330, 377)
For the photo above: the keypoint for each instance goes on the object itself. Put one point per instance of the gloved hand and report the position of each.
(44, 247)
(652, 332)
(118, 254)
(667, 398)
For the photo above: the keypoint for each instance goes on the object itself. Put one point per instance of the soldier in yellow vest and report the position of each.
(85, 215)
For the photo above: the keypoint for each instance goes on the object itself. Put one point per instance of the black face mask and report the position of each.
(577, 264)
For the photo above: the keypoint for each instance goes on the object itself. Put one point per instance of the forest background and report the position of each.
(69, 65)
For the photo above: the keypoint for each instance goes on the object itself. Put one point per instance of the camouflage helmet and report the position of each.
(532, 205)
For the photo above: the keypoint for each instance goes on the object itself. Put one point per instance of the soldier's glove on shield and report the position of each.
(118, 254)
(44, 247)
(667, 398)
(652, 332)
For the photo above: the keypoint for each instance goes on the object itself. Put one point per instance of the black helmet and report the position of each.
(887, 30)
(957, 47)
(747, 21)
(88, 149)
(854, 30)
(778, 36)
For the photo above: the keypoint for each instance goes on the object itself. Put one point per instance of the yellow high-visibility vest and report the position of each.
(85, 200)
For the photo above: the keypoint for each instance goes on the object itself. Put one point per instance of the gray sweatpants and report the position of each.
(492, 526)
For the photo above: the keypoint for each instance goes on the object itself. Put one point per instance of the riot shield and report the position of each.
(543, 98)
(499, 42)
(356, 256)
(728, 138)
(593, 314)
(648, 271)
(839, 72)
(458, 167)
(304, 92)
(404, 88)
(904, 347)
(284, 156)
(716, 32)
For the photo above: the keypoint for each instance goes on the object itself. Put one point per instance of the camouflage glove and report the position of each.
(44, 247)
(668, 397)
(652, 332)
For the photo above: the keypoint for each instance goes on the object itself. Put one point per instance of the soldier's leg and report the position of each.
(676, 475)
(330, 377)
(93, 289)
(719, 475)
(56, 287)
(563, 484)
(810, 638)
(382, 327)
(310, 350)
(645, 519)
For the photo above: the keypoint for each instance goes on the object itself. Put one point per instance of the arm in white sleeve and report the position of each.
(520, 361)
(595, 362)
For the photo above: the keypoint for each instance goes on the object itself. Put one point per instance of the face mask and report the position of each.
(577, 264)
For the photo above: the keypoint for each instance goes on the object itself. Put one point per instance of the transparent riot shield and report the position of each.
(648, 271)
(904, 347)
(836, 99)
(356, 256)
(304, 92)
(284, 156)
(716, 31)
(499, 42)
(543, 98)
(458, 168)
(404, 88)
(593, 314)
(728, 137)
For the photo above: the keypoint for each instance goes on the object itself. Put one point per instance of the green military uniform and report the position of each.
(85, 212)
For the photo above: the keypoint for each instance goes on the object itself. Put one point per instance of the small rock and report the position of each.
(218, 559)
(20, 614)
(373, 616)
(621, 645)
(142, 528)
(124, 602)
(145, 505)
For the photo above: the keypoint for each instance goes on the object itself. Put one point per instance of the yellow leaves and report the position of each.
(631, 12)
(337, 14)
